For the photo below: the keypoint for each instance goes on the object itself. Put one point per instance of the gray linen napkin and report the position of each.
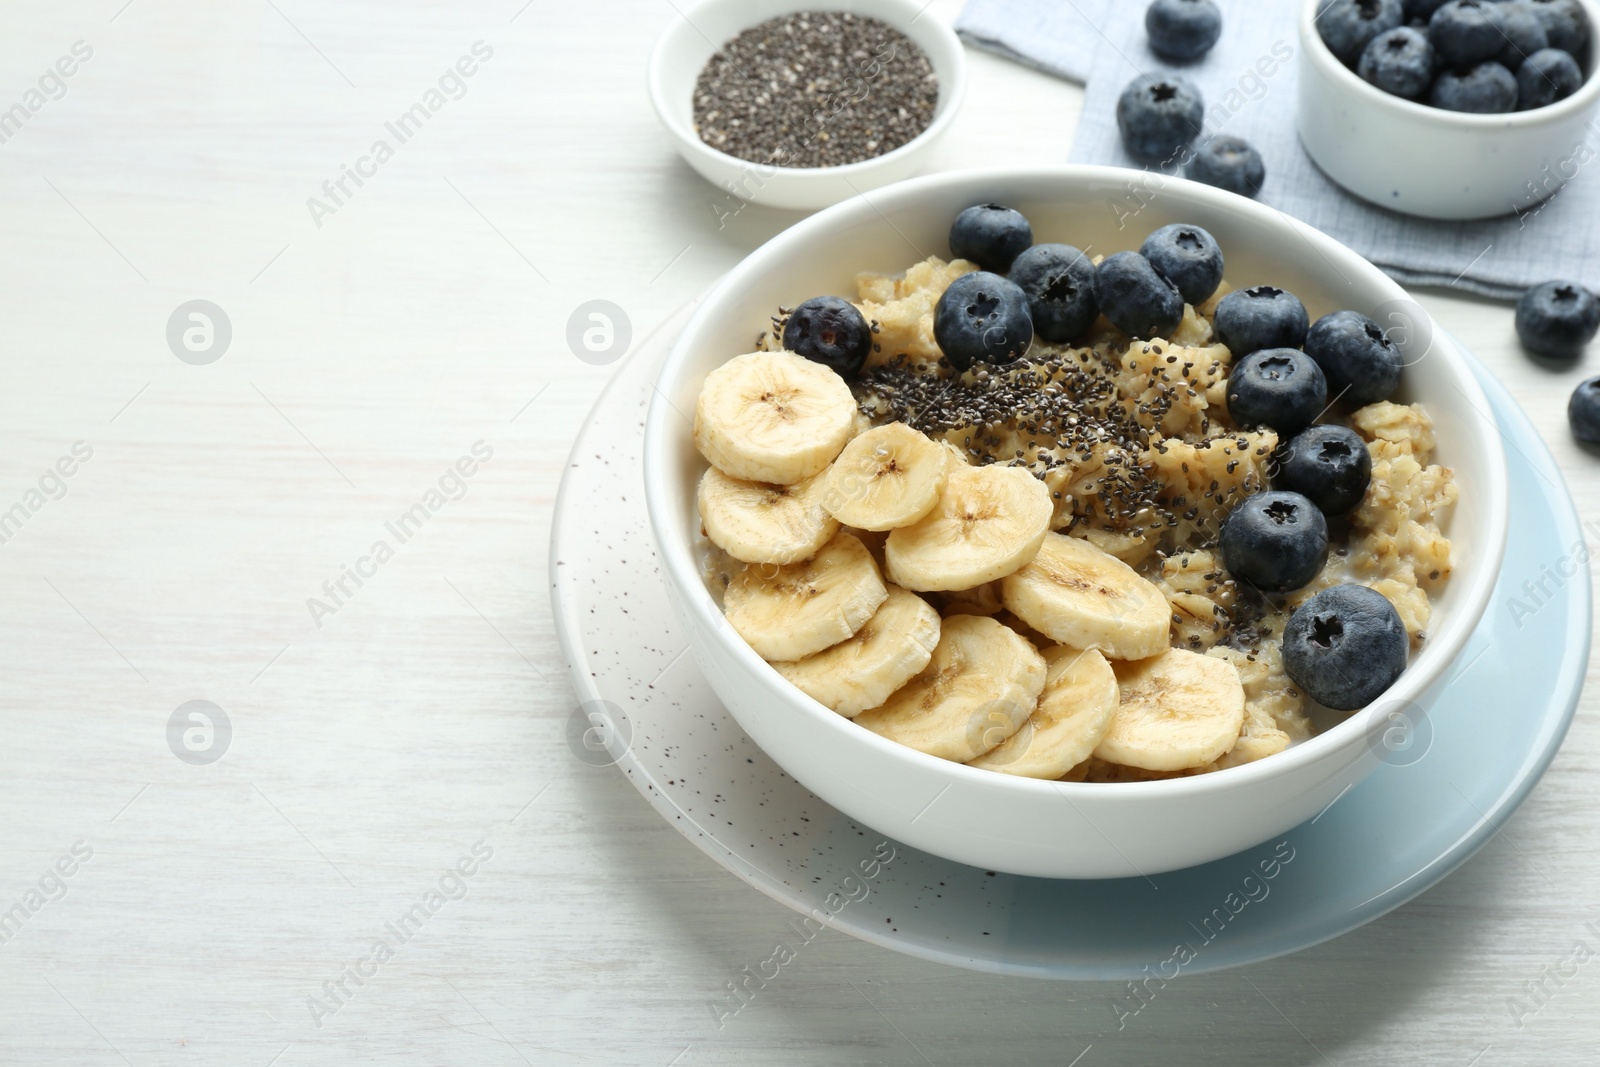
(1102, 43)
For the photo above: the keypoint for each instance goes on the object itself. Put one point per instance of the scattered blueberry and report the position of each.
(1399, 61)
(1565, 24)
(1137, 299)
(829, 330)
(1249, 320)
(1059, 283)
(1159, 116)
(1278, 387)
(1229, 163)
(1329, 465)
(1182, 29)
(1361, 363)
(990, 236)
(1347, 25)
(1188, 257)
(1464, 32)
(1583, 411)
(1275, 541)
(1524, 33)
(984, 318)
(1345, 646)
(1487, 88)
(1545, 77)
(1557, 319)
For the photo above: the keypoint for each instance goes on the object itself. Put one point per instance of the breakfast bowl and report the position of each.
(1064, 829)
(1428, 161)
(699, 32)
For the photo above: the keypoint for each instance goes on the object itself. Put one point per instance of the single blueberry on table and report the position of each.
(1159, 116)
(990, 236)
(1188, 257)
(1182, 29)
(1361, 363)
(1399, 62)
(982, 318)
(1583, 412)
(1346, 26)
(1230, 163)
(1557, 318)
(1545, 77)
(1275, 541)
(1524, 33)
(831, 331)
(1136, 298)
(1485, 89)
(1278, 387)
(1329, 465)
(1263, 316)
(1345, 646)
(1565, 24)
(1464, 32)
(1059, 282)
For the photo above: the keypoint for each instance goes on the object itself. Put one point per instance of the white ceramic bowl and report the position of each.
(694, 38)
(990, 820)
(1427, 161)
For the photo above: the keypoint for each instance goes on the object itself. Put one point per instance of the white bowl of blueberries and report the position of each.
(1461, 109)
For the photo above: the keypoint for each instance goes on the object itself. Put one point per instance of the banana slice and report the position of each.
(1084, 597)
(773, 417)
(1075, 710)
(889, 476)
(978, 689)
(759, 523)
(792, 611)
(884, 655)
(1178, 710)
(988, 522)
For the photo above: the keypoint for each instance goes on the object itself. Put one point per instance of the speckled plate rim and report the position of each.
(1545, 741)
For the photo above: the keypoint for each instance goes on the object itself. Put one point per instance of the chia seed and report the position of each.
(815, 89)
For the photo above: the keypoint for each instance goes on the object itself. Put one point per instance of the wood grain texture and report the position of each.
(426, 714)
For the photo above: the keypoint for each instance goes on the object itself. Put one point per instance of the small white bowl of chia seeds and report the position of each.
(805, 103)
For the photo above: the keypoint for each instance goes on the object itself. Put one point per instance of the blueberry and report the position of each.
(830, 331)
(1136, 298)
(1249, 320)
(1186, 256)
(1159, 116)
(1557, 319)
(1464, 32)
(982, 318)
(1361, 363)
(1347, 25)
(1565, 24)
(1229, 163)
(1345, 646)
(990, 236)
(1485, 89)
(1182, 29)
(1422, 10)
(1329, 465)
(1275, 541)
(1524, 33)
(1583, 411)
(1399, 62)
(1277, 387)
(1545, 77)
(1059, 282)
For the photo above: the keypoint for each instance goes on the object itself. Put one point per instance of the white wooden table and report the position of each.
(378, 739)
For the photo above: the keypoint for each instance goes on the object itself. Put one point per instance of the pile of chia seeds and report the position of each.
(815, 89)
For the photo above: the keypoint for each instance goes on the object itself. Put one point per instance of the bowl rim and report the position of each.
(1317, 51)
(951, 93)
(675, 551)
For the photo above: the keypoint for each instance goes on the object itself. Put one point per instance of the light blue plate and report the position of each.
(1489, 735)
